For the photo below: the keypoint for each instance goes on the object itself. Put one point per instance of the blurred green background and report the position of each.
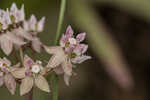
(118, 38)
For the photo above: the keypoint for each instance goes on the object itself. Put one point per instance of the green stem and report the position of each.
(55, 78)
(21, 55)
(55, 86)
(60, 21)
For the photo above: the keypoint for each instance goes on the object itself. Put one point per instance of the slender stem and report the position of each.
(60, 21)
(55, 78)
(21, 55)
(55, 86)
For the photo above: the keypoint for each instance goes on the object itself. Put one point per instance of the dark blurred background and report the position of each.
(126, 21)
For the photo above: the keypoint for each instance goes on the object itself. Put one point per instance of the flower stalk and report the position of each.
(55, 86)
(55, 78)
(60, 21)
(21, 55)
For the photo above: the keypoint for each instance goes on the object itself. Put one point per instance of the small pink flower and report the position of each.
(69, 32)
(5, 19)
(18, 15)
(32, 26)
(59, 61)
(13, 33)
(80, 49)
(31, 74)
(69, 48)
(7, 41)
(71, 51)
(80, 37)
(6, 76)
(65, 37)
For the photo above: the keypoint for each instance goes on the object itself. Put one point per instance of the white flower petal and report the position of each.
(6, 45)
(19, 73)
(58, 57)
(41, 83)
(80, 37)
(67, 79)
(26, 26)
(85, 47)
(22, 14)
(36, 45)
(13, 8)
(33, 22)
(15, 39)
(41, 24)
(67, 67)
(21, 32)
(6, 61)
(59, 70)
(36, 69)
(27, 62)
(55, 61)
(53, 49)
(80, 59)
(10, 83)
(26, 85)
(69, 31)
(1, 80)
(72, 41)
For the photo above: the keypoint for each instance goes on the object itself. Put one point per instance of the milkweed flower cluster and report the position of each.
(71, 51)
(31, 74)
(16, 31)
(6, 75)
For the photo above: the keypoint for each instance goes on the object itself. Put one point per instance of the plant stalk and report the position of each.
(60, 21)
(21, 55)
(55, 78)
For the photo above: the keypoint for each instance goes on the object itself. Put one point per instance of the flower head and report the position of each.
(6, 76)
(71, 51)
(73, 46)
(32, 73)
(33, 27)
(15, 29)
(17, 15)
